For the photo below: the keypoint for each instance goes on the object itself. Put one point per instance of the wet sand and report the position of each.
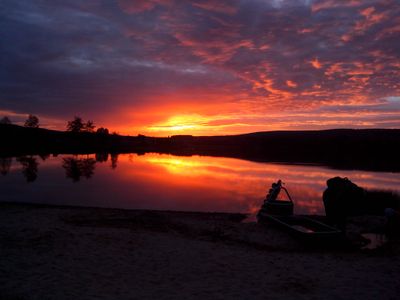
(92, 253)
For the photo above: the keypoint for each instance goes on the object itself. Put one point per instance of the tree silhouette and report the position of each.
(5, 165)
(89, 126)
(76, 125)
(5, 120)
(102, 131)
(32, 122)
(29, 167)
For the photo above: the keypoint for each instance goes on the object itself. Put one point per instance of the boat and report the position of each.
(303, 227)
(280, 213)
(273, 206)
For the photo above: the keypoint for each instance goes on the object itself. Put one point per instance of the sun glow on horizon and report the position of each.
(180, 123)
(196, 124)
(219, 124)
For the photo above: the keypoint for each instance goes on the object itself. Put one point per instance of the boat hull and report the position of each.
(302, 227)
(282, 208)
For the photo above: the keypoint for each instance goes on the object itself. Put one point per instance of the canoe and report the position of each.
(302, 227)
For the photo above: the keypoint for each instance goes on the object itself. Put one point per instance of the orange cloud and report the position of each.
(306, 30)
(216, 50)
(391, 30)
(371, 18)
(316, 64)
(328, 4)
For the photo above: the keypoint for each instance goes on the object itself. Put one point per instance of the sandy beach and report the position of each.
(93, 253)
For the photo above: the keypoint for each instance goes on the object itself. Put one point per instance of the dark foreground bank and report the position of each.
(85, 253)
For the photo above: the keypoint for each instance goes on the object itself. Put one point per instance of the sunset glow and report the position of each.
(179, 123)
(202, 67)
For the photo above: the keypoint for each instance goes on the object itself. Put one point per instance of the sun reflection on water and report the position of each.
(187, 183)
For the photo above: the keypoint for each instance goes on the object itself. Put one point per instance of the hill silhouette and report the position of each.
(364, 149)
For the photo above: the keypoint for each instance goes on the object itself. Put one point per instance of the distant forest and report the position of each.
(363, 149)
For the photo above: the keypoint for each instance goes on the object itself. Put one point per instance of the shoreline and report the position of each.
(66, 206)
(61, 252)
(334, 148)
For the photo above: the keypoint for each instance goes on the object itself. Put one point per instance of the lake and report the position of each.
(167, 182)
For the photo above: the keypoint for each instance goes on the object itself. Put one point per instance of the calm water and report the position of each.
(157, 181)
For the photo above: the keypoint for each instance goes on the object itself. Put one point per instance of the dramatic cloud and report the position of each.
(203, 67)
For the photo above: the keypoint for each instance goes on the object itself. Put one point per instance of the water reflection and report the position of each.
(114, 160)
(5, 165)
(29, 167)
(101, 157)
(44, 156)
(75, 168)
(156, 181)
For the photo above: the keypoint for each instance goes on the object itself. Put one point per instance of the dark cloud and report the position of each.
(60, 58)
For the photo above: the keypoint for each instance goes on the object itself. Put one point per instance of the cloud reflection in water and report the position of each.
(158, 181)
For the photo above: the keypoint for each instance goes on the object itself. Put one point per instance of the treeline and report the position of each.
(32, 121)
(78, 125)
(366, 149)
(75, 125)
(20, 140)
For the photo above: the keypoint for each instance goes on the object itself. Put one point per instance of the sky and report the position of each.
(212, 67)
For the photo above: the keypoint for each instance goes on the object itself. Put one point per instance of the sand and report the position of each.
(91, 253)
